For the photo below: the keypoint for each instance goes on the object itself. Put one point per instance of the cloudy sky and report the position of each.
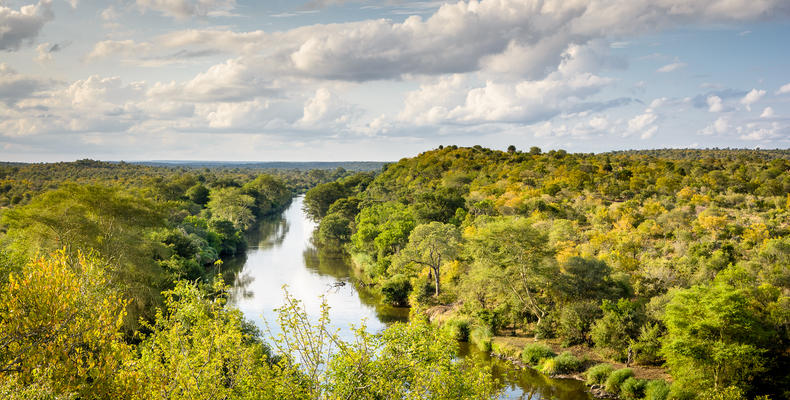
(385, 79)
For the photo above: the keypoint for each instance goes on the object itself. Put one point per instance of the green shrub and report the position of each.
(481, 336)
(565, 363)
(457, 328)
(396, 290)
(504, 349)
(648, 346)
(545, 329)
(633, 389)
(574, 322)
(598, 374)
(656, 389)
(617, 378)
(534, 352)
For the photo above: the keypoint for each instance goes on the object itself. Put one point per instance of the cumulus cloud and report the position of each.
(524, 37)
(46, 50)
(752, 97)
(762, 132)
(719, 126)
(19, 27)
(715, 104)
(768, 112)
(642, 124)
(784, 89)
(188, 8)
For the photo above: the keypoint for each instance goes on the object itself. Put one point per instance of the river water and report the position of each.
(281, 253)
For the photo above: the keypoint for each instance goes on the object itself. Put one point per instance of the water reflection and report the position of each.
(281, 253)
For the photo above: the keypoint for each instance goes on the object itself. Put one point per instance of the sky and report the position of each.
(336, 80)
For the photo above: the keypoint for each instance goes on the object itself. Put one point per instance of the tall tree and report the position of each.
(431, 245)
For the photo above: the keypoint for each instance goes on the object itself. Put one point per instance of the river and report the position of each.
(281, 253)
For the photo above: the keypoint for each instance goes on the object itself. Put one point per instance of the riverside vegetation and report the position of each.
(682, 256)
(674, 258)
(108, 292)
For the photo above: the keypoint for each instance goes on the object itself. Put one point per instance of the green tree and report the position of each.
(233, 205)
(714, 338)
(519, 260)
(430, 245)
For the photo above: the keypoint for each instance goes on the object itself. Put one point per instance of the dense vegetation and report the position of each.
(108, 291)
(673, 257)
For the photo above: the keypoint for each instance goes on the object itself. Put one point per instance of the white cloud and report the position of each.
(188, 8)
(672, 67)
(527, 38)
(641, 123)
(715, 104)
(768, 112)
(761, 132)
(784, 89)
(18, 27)
(752, 97)
(719, 126)
(15, 87)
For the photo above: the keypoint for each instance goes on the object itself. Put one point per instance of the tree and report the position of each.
(519, 260)
(714, 338)
(431, 245)
(198, 194)
(511, 149)
(318, 199)
(233, 205)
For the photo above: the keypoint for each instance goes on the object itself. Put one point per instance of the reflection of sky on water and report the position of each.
(280, 258)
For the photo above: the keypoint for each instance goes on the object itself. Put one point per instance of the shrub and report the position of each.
(598, 374)
(657, 389)
(565, 363)
(648, 346)
(396, 290)
(617, 378)
(545, 328)
(458, 328)
(481, 336)
(633, 389)
(574, 323)
(534, 352)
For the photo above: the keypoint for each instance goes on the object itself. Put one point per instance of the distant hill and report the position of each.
(360, 166)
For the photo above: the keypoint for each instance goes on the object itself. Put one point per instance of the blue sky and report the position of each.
(382, 80)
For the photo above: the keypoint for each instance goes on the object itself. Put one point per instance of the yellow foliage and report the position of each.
(685, 193)
(756, 233)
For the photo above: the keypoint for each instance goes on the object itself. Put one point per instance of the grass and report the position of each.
(598, 374)
(617, 378)
(533, 353)
(565, 363)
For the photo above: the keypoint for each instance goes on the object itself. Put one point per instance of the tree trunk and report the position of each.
(436, 279)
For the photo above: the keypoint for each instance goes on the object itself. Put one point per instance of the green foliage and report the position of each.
(430, 245)
(620, 323)
(598, 374)
(457, 328)
(231, 204)
(616, 379)
(534, 353)
(656, 389)
(60, 321)
(565, 363)
(633, 389)
(396, 289)
(574, 322)
(647, 348)
(481, 336)
(714, 338)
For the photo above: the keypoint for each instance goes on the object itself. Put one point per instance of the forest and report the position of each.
(678, 259)
(673, 258)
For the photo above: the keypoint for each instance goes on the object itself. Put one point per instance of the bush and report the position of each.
(458, 328)
(396, 290)
(633, 389)
(617, 378)
(534, 352)
(598, 374)
(481, 337)
(565, 363)
(545, 329)
(574, 323)
(648, 346)
(657, 389)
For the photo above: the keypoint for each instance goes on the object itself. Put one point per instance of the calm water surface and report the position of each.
(282, 253)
